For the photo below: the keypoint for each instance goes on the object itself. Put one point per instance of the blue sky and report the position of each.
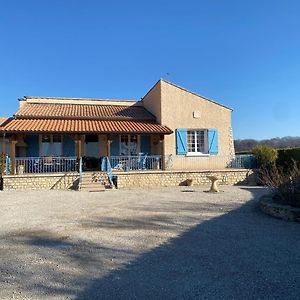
(244, 54)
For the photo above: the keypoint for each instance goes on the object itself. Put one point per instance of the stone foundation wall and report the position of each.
(129, 179)
(175, 178)
(55, 181)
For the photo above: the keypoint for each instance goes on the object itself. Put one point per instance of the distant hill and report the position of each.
(278, 143)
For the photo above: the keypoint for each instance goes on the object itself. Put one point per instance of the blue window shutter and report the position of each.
(114, 146)
(181, 141)
(32, 142)
(145, 144)
(213, 148)
(68, 146)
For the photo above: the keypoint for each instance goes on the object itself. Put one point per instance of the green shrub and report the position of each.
(266, 156)
(285, 184)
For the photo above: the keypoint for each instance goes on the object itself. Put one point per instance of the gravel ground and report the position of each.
(170, 243)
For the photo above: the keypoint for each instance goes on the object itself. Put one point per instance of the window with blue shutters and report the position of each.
(197, 141)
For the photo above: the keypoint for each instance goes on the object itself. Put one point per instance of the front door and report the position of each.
(92, 152)
(91, 146)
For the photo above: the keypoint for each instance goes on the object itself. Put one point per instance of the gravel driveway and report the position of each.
(170, 243)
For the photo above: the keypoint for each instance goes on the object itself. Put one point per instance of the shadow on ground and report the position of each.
(241, 254)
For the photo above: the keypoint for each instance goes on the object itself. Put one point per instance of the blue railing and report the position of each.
(138, 162)
(45, 165)
(244, 161)
(7, 165)
(106, 167)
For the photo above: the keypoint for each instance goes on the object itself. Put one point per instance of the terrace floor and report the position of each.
(169, 243)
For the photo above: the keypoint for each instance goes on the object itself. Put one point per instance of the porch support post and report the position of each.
(162, 151)
(12, 147)
(78, 142)
(99, 145)
(108, 146)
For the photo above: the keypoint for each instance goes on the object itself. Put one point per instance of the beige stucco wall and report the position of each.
(152, 101)
(176, 111)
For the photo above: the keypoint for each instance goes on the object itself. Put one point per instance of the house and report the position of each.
(170, 128)
(201, 135)
(4, 144)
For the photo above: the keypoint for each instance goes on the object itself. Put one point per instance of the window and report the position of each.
(128, 144)
(51, 145)
(57, 145)
(197, 141)
(46, 145)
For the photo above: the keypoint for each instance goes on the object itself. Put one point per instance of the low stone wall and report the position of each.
(175, 178)
(130, 179)
(284, 212)
(55, 181)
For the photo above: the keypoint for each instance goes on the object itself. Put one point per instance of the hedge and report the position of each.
(2, 163)
(287, 156)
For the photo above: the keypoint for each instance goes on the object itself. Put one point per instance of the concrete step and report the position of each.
(94, 181)
(91, 184)
(87, 183)
(95, 178)
(92, 188)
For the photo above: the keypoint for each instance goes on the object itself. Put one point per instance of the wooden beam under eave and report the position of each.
(108, 146)
(78, 143)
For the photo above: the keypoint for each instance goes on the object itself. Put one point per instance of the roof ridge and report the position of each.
(77, 98)
(114, 105)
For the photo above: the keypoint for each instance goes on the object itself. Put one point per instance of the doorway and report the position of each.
(91, 160)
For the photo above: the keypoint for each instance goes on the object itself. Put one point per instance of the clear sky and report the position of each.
(244, 54)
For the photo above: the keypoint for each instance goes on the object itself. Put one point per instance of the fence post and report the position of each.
(7, 165)
(80, 170)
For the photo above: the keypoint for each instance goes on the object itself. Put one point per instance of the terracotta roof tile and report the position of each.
(84, 126)
(83, 111)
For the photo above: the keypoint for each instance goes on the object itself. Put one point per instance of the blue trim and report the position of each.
(145, 144)
(213, 147)
(181, 141)
(32, 142)
(68, 146)
(114, 146)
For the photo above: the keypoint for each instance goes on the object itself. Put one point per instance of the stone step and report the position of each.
(91, 184)
(93, 190)
(95, 178)
(92, 187)
(94, 181)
